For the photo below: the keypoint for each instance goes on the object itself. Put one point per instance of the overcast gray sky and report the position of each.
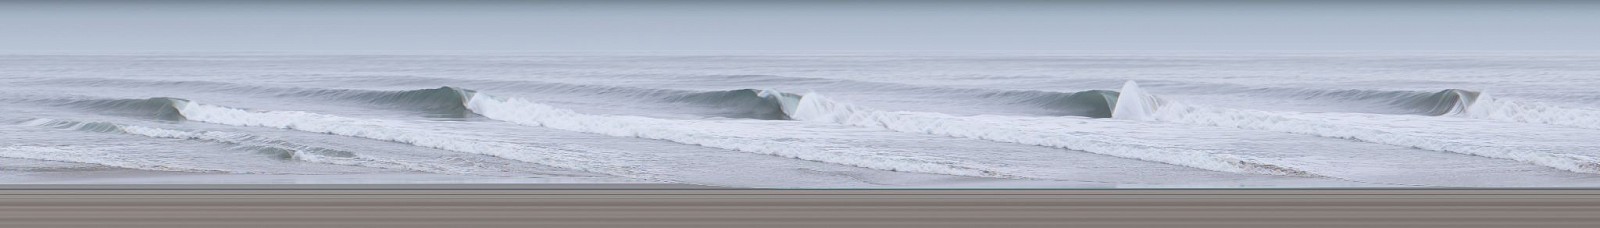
(829, 25)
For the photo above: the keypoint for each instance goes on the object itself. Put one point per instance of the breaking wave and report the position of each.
(516, 110)
(1447, 102)
(1430, 103)
(808, 107)
(774, 105)
(817, 108)
(385, 130)
(1438, 103)
(731, 135)
(1092, 103)
(446, 102)
(736, 103)
(743, 103)
(450, 101)
(161, 108)
(552, 154)
(703, 133)
(1140, 105)
(1532, 112)
(1131, 103)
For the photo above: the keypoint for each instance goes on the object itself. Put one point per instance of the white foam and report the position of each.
(300, 152)
(817, 108)
(101, 155)
(705, 133)
(569, 158)
(110, 145)
(1422, 132)
(1486, 107)
(1133, 103)
(636, 163)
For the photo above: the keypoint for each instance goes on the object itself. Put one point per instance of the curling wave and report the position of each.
(446, 102)
(452, 101)
(1440, 103)
(1092, 103)
(1447, 102)
(161, 108)
(742, 103)
(1430, 103)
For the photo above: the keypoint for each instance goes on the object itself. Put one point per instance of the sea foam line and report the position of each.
(75, 154)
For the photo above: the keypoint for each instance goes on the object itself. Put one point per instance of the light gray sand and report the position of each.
(670, 206)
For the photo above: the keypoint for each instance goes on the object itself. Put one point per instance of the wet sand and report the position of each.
(656, 205)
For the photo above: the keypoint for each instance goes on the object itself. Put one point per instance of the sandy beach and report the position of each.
(655, 205)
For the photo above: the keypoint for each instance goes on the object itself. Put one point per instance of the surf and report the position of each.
(817, 108)
(1372, 128)
(275, 148)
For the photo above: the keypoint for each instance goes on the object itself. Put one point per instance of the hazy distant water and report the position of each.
(813, 120)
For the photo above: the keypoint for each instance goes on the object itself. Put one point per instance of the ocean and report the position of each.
(807, 120)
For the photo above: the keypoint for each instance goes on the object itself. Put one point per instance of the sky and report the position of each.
(535, 26)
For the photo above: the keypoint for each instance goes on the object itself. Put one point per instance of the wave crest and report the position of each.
(743, 103)
(161, 108)
(1091, 103)
(1446, 102)
(445, 102)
